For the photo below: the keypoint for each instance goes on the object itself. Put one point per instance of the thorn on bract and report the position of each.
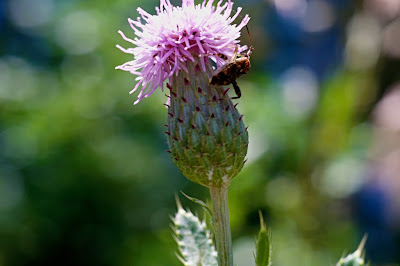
(180, 120)
(227, 108)
(186, 81)
(199, 90)
(173, 94)
(226, 91)
(235, 105)
(175, 138)
(184, 99)
(212, 115)
(167, 96)
(168, 151)
(197, 68)
(240, 118)
(168, 133)
(169, 87)
(166, 105)
(226, 124)
(172, 115)
(197, 109)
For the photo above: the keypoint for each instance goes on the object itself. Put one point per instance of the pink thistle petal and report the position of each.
(236, 15)
(146, 16)
(166, 41)
(126, 38)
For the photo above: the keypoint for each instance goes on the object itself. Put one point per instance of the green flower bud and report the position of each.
(206, 135)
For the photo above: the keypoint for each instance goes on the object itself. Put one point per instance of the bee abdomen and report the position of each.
(220, 79)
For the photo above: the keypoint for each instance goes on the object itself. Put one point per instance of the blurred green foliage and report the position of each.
(84, 179)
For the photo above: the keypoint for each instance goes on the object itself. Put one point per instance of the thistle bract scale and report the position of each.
(206, 135)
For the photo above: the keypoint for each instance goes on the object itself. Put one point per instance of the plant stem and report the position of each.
(222, 230)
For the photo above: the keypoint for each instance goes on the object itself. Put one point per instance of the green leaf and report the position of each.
(263, 245)
(194, 240)
(200, 202)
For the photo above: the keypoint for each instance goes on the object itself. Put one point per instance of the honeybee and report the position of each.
(238, 65)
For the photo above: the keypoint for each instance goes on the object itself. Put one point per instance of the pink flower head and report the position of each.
(177, 34)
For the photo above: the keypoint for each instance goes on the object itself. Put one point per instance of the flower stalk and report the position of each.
(208, 142)
(222, 230)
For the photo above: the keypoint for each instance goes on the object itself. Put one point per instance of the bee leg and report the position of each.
(234, 55)
(237, 90)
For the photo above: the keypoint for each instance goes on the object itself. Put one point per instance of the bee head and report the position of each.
(244, 64)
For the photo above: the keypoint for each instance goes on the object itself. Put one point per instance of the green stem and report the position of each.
(222, 230)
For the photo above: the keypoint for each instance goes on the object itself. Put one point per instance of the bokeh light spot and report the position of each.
(18, 79)
(292, 9)
(78, 32)
(21, 143)
(283, 193)
(300, 91)
(319, 16)
(29, 14)
(258, 146)
(387, 112)
(384, 9)
(11, 189)
(363, 44)
(343, 177)
(391, 39)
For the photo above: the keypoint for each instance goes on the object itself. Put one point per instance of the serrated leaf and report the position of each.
(194, 240)
(356, 258)
(263, 245)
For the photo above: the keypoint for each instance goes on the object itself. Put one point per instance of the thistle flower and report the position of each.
(176, 35)
(205, 132)
(206, 135)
